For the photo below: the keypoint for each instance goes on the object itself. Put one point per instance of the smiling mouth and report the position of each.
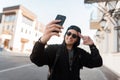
(69, 40)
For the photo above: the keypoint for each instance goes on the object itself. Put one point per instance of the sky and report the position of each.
(76, 11)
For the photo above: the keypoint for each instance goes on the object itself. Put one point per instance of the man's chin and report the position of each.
(69, 44)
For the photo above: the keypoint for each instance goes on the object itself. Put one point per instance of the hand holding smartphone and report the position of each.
(62, 18)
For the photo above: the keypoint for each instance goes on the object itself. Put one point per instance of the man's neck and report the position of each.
(69, 47)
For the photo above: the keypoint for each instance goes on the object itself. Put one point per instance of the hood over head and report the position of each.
(76, 28)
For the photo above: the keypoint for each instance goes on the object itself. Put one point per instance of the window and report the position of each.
(29, 32)
(21, 29)
(12, 28)
(26, 31)
(9, 18)
(8, 27)
(36, 34)
(27, 21)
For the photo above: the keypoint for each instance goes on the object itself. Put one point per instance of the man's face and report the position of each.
(71, 37)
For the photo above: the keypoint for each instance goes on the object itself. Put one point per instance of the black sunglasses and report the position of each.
(73, 35)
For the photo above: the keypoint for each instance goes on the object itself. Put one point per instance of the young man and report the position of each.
(65, 60)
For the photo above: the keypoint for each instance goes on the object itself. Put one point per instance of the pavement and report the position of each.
(11, 53)
(111, 61)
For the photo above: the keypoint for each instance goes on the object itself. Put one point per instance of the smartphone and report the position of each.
(62, 18)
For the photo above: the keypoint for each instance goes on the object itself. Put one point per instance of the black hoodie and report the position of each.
(42, 55)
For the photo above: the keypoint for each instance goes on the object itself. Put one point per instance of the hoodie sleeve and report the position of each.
(37, 56)
(43, 54)
(92, 59)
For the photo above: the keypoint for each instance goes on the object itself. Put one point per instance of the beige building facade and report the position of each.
(19, 28)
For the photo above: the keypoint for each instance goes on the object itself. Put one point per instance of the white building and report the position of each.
(19, 28)
(107, 25)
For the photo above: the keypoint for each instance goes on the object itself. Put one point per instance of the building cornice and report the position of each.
(13, 9)
(96, 1)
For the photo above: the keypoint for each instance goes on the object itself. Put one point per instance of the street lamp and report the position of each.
(103, 22)
(104, 26)
(99, 33)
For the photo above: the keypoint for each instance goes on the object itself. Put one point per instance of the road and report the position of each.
(21, 68)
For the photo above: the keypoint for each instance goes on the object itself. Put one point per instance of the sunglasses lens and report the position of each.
(73, 35)
(68, 33)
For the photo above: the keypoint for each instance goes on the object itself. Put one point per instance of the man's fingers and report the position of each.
(54, 25)
(55, 33)
(54, 22)
(81, 36)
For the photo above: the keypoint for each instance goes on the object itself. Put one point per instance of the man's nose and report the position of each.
(70, 36)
